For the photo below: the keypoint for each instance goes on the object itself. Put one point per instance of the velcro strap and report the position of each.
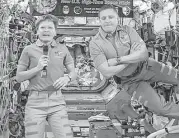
(162, 68)
(170, 70)
(64, 117)
(32, 133)
(31, 124)
(66, 125)
(176, 75)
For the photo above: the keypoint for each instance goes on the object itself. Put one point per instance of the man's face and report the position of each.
(46, 31)
(108, 20)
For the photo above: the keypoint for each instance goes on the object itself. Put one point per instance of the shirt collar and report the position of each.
(40, 44)
(104, 34)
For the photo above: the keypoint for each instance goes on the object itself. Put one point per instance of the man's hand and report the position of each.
(61, 82)
(43, 61)
(112, 62)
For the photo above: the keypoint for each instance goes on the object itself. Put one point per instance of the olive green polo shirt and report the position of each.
(59, 57)
(102, 48)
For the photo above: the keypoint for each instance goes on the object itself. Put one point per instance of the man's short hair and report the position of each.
(105, 7)
(46, 17)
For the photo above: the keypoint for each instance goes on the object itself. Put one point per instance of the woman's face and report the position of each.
(46, 31)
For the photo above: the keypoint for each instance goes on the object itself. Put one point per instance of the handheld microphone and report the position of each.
(44, 70)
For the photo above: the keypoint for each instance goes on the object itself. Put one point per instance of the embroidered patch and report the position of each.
(124, 37)
(126, 10)
(59, 54)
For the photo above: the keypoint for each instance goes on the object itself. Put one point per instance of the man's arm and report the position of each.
(136, 56)
(109, 71)
(138, 50)
(112, 62)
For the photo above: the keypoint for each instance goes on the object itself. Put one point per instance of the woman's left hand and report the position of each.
(61, 82)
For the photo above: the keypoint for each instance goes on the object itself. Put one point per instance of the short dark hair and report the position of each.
(105, 7)
(46, 17)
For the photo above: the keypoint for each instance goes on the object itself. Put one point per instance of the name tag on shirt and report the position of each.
(59, 54)
(124, 37)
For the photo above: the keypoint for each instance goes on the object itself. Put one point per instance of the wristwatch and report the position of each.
(70, 78)
(118, 60)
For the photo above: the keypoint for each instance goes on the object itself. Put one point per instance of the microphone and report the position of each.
(44, 70)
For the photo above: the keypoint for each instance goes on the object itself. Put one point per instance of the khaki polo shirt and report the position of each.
(59, 57)
(102, 49)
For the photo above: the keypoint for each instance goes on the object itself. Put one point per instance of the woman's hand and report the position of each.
(61, 82)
